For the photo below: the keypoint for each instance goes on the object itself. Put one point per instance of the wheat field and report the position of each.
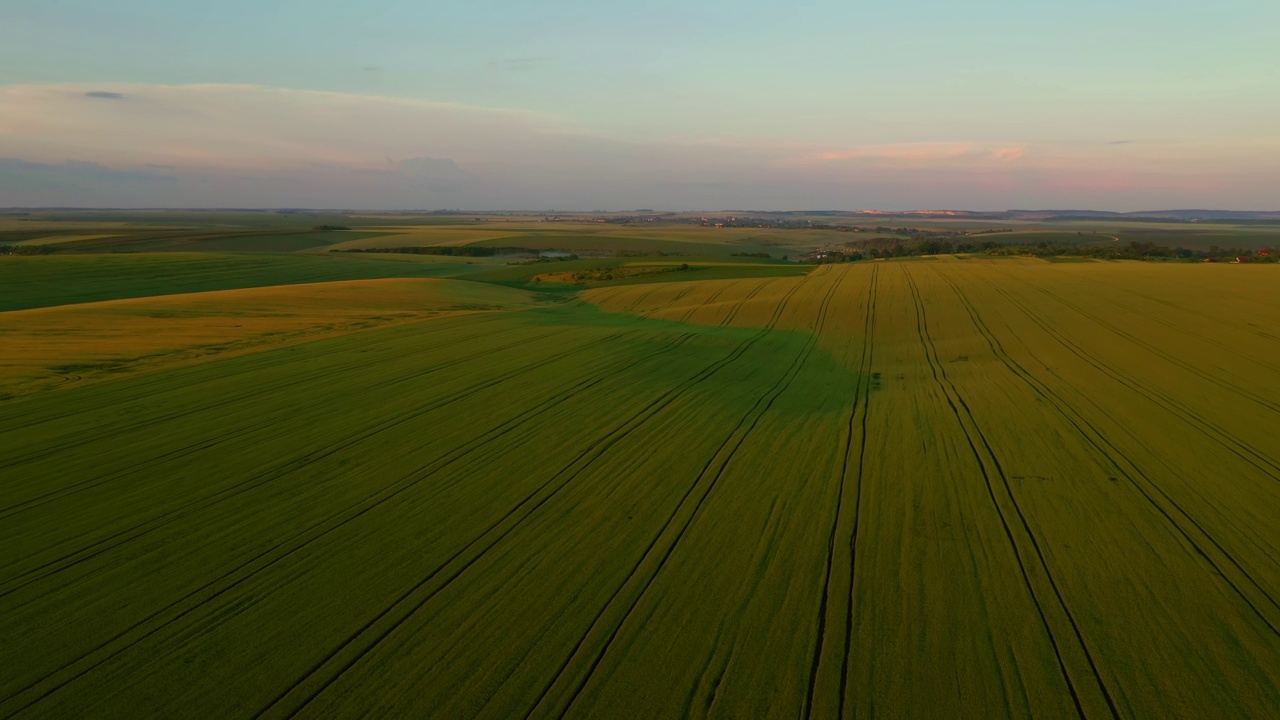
(998, 488)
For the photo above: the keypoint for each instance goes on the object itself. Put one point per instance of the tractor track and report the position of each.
(733, 312)
(857, 507)
(583, 460)
(706, 477)
(858, 410)
(1127, 468)
(301, 540)
(1208, 377)
(117, 430)
(1241, 449)
(675, 299)
(279, 471)
(143, 383)
(714, 296)
(268, 421)
(956, 402)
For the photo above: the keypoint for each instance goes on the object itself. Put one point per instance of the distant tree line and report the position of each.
(893, 248)
(754, 255)
(25, 250)
(481, 251)
(546, 259)
(645, 253)
(451, 250)
(1135, 251)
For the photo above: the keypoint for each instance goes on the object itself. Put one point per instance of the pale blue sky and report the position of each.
(1163, 99)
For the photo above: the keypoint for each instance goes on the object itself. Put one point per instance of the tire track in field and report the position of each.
(279, 470)
(689, 285)
(648, 314)
(723, 323)
(857, 418)
(1097, 440)
(768, 327)
(1240, 448)
(733, 312)
(857, 508)
(706, 477)
(415, 376)
(224, 400)
(711, 675)
(670, 302)
(1151, 394)
(1191, 310)
(957, 403)
(1182, 330)
(257, 480)
(1127, 468)
(547, 490)
(187, 357)
(270, 420)
(155, 523)
(305, 537)
(643, 296)
(631, 309)
(709, 301)
(1209, 377)
(475, 444)
(143, 382)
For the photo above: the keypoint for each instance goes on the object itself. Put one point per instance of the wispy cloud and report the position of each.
(917, 153)
(243, 126)
(1009, 154)
(518, 64)
(252, 145)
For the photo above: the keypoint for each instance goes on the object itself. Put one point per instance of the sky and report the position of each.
(698, 104)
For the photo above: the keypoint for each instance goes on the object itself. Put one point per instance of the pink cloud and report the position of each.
(917, 153)
(899, 151)
(305, 144)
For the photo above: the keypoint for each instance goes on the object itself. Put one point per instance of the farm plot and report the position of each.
(1046, 473)
(32, 282)
(972, 488)
(411, 236)
(54, 347)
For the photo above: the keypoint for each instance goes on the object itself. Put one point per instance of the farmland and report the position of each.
(55, 346)
(329, 484)
(61, 280)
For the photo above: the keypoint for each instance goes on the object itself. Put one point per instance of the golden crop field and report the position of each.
(928, 488)
(410, 236)
(1071, 463)
(58, 345)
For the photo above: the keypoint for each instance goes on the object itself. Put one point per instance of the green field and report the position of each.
(593, 234)
(979, 488)
(30, 282)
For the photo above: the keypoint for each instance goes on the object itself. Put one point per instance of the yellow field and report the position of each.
(937, 488)
(692, 239)
(418, 236)
(54, 239)
(59, 346)
(1066, 475)
(53, 226)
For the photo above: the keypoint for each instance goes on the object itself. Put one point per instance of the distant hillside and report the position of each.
(256, 217)
(1064, 215)
(1184, 215)
(1213, 214)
